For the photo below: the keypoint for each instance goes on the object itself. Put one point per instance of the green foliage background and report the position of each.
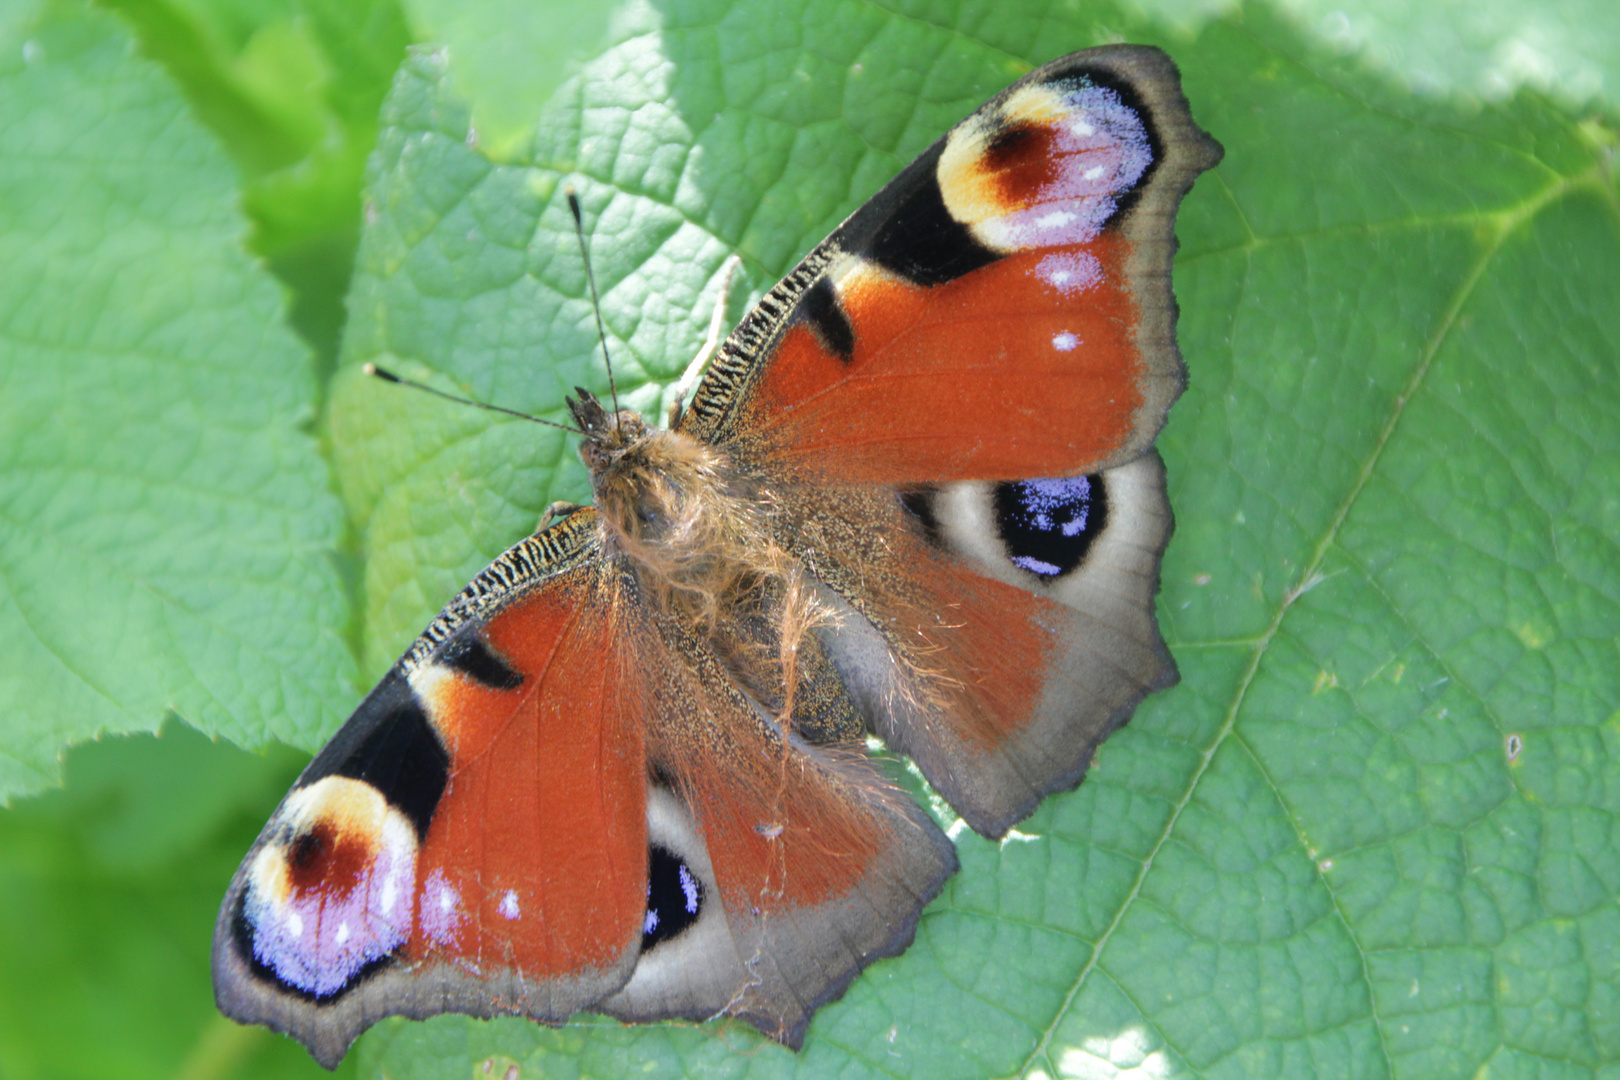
(1373, 833)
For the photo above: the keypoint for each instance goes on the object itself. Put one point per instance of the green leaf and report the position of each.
(166, 529)
(106, 893)
(1566, 48)
(1372, 832)
(1465, 50)
(291, 88)
(508, 58)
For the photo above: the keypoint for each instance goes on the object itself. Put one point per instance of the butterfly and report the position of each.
(914, 497)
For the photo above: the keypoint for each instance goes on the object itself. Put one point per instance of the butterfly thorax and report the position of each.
(695, 527)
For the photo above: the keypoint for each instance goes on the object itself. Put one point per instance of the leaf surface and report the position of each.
(1371, 834)
(166, 521)
(107, 891)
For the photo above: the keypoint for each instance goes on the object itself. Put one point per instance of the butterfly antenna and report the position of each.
(596, 300)
(388, 376)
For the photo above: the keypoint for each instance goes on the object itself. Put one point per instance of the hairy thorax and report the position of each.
(696, 529)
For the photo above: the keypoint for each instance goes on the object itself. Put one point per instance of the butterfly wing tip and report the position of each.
(327, 1057)
(793, 1038)
(1207, 149)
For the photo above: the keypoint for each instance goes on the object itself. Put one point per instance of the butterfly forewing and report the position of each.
(1001, 310)
(473, 839)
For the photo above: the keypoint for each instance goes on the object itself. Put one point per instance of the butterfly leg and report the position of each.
(695, 369)
(559, 509)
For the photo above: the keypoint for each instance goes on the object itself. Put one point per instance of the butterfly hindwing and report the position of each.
(996, 633)
(815, 863)
(1086, 551)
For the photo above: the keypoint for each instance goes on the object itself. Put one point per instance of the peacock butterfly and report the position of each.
(913, 496)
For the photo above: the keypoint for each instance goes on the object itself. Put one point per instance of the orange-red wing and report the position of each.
(474, 838)
(819, 864)
(536, 859)
(1001, 310)
(993, 374)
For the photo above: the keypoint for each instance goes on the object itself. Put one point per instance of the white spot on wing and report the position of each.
(441, 909)
(1065, 342)
(1070, 272)
(509, 905)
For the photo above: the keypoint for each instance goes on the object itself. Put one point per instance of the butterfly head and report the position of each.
(607, 435)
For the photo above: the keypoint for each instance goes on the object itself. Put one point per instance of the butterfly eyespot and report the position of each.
(1010, 143)
(1049, 525)
(1021, 161)
(306, 855)
(333, 898)
(674, 898)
